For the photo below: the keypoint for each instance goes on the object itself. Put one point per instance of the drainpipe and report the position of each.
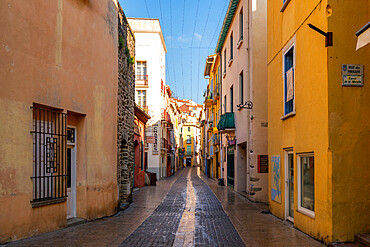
(250, 85)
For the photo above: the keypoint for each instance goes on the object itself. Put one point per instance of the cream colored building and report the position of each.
(242, 45)
(150, 60)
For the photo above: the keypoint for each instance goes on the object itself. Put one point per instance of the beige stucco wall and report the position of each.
(251, 59)
(61, 54)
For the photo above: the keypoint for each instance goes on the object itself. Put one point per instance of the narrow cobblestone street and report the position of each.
(187, 209)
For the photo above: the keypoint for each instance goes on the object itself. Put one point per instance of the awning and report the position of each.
(363, 36)
(227, 122)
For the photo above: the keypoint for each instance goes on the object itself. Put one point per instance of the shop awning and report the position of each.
(363, 36)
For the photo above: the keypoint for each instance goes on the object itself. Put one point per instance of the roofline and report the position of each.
(226, 26)
(159, 32)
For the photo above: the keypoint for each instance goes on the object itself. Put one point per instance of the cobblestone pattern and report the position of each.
(126, 100)
(160, 228)
(212, 225)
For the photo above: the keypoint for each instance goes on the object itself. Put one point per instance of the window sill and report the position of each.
(230, 62)
(47, 202)
(306, 212)
(240, 42)
(284, 5)
(290, 114)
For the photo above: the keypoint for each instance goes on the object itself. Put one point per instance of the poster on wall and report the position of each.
(155, 135)
(275, 179)
(263, 163)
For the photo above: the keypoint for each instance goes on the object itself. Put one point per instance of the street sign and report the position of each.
(352, 75)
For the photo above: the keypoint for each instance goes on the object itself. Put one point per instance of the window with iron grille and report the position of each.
(49, 156)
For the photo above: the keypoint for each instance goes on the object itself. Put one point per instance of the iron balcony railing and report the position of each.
(141, 80)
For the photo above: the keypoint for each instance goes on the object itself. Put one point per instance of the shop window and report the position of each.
(306, 184)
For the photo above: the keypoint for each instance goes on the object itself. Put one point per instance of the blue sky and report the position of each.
(191, 34)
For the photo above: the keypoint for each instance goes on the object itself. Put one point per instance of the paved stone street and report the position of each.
(187, 209)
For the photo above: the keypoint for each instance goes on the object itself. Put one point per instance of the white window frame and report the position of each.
(301, 209)
(291, 44)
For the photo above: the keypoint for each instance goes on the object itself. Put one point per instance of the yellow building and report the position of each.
(319, 127)
(188, 131)
(212, 102)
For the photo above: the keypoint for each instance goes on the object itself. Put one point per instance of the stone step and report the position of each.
(363, 239)
(75, 221)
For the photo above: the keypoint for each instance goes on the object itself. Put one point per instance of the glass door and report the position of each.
(289, 185)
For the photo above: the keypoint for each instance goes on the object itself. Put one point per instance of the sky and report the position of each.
(191, 29)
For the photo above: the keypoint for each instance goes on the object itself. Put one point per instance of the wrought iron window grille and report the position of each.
(49, 155)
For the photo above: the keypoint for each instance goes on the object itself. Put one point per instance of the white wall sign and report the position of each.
(155, 144)
(352, 75)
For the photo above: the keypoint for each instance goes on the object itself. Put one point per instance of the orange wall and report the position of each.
(63, 54)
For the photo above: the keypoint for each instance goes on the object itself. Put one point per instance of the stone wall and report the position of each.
(126, 100)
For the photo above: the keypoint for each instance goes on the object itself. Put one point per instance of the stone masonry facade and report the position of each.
(126, 101)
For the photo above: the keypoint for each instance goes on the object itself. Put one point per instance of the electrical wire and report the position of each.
(204, 30)
(147, 10)
(219, 22)
(191, 52)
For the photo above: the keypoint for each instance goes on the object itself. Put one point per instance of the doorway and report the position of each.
(230, 166)
(289, 185)
(188, 161)
(71, 172)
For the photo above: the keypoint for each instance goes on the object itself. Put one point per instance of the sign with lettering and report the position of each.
(352, 75)
(155, 135)
(263, 163)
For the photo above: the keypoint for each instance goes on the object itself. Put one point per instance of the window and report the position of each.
(188, 139)
(225, 104)
(285, 4)
(306, 184)
(225, 61)
(141, 68)
(241, 25)
(141, 98)
(49, 152)
(188, 129)
(188, 150)
(241, 88)
(289, 81)
(231, 99)
(231, 46)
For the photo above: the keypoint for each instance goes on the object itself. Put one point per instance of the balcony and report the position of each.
(141, 80)
(227, 122)
(209, 100)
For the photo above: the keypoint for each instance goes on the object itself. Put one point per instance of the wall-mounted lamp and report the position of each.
(328, 35)
(246, 105)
